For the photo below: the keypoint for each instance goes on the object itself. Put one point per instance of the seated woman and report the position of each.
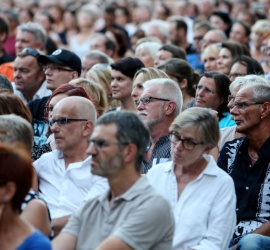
(16, 173)
(201, 194)
(210, 56)
(212, 92)
(15, 126)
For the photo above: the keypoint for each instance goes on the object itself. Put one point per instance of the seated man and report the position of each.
(247, 160)
(64, 175)
(124, 218)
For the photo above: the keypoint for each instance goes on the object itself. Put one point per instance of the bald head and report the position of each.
(76, 107)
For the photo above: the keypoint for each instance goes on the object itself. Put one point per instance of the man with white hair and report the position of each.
(158, 28)
(160, 102)
(247, 160)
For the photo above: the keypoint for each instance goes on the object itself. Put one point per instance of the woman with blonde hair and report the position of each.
(209, 57)
(142, 75)
(95, 91)
(101, 75)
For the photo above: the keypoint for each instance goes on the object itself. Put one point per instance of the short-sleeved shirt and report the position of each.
(140, 217)
(64, 189)
(252, 184)
(161, 153)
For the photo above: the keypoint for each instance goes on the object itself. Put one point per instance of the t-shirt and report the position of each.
(36, 241)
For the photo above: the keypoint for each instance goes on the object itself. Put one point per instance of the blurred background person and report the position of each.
(209, 57)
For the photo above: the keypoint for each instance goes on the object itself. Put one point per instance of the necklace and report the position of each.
(252, 158)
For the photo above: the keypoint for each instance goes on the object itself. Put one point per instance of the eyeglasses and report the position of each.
(146, 100)
(187, 144)
(31, 52)
(242, 105)
(266, 49)
(205, 89)
(197, 38)
(55, 68)
(63, 121)
(99, 144)
(234, 75)
(48, 109)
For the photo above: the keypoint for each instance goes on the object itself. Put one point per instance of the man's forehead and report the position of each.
(244, 92)
(105, 130)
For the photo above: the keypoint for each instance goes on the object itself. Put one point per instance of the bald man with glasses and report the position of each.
(64, 175)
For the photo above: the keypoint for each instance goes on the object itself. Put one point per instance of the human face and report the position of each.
(57, 75)
(25, 39)
(187, 157)
(68, 136)
(210, 62)
(217, 23)
(238, 69)
(206, 94)
(121, 85)
(162, 57)
(210, 37)
(173, 34)
(238, 34)
(198, 36)
(137, 87)
(248, 118)
(224, 61)
(108, 160)
(28, 76)
(153, 113)
(53, 102)
(98, 43)
(87, 64)
(145, 56)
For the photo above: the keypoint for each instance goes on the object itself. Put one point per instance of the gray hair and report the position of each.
(152, 47)
(5, 84)
(261, 92)
(130, 130)
(161, 25)
(98, 55)
(36, 30)
(14, 128)
(250, 80)
(204, 119)
(168, 89)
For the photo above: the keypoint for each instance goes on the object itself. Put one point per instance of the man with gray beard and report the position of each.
(160, 102)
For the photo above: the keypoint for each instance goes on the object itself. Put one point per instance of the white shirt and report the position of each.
(64, 190)
(42, 92)
(205, 212)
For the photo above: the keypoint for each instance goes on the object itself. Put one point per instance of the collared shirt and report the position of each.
(205, 211)
(63, 189)
(161, 153)
(140, 217)
(42, 92)
(252, 184)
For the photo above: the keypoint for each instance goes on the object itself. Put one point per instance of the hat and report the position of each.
(63, 57)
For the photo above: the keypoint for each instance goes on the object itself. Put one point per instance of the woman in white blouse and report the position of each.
(201, 194)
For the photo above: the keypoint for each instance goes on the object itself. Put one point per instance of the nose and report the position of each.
(113, 83)
(134, 93)
(91, 150)
(140, 106)
(54, 128)
(230, 104)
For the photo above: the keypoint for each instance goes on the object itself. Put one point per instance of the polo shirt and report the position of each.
(64, 190)
(140, 217)
(252, 184)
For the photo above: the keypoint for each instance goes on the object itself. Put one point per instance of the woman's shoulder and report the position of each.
(36, 241)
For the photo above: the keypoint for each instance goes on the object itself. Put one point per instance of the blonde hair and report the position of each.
(102, 76)
(212, 49)
(151, 73)
(95, 91)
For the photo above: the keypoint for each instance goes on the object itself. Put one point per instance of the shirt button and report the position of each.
(237, 209)
(250, 166)
(247, 188)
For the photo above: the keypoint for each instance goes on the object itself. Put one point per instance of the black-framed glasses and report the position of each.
(205, 89)
(31, 51)
(48, 109)
(243, 105)
(187, 144)
(99, 144)
(63, 121)
(55, 68)
(146, 100)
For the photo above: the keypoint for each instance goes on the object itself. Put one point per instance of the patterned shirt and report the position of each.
(252, 184)
(161, 153)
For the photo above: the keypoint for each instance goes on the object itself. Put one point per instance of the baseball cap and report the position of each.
(63, 57)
